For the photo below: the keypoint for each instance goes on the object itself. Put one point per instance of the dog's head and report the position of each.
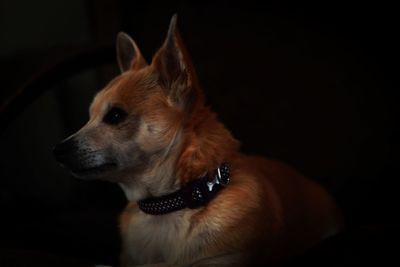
(139, 117)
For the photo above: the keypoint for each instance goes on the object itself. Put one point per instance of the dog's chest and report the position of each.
(155, 238)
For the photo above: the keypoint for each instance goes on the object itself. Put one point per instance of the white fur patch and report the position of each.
(155, 239)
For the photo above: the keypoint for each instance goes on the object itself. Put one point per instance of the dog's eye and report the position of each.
(114, 116)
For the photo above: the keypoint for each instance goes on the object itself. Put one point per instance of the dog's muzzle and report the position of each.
(82, 161)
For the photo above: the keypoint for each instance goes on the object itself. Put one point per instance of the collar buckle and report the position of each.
(222, 177)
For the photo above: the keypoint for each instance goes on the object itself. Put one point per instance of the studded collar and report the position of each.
(195, 194)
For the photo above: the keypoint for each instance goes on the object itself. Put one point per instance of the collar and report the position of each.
(195, 194)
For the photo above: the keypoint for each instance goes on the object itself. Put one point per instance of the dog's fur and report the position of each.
(168, 138)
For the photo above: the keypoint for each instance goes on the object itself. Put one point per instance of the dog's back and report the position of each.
(303, 211)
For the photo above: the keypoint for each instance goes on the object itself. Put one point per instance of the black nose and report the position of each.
(65, 149)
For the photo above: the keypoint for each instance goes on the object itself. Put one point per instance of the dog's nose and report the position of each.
(65, 149)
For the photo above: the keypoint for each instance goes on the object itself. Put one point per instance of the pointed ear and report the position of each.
(128, 54)
(174, 67)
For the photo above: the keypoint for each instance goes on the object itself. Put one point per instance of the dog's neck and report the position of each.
(207, 144)
(201, 146)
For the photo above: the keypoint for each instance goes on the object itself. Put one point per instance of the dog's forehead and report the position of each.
(126, 90)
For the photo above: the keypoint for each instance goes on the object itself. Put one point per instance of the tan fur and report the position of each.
(267, 205)
(267, 212)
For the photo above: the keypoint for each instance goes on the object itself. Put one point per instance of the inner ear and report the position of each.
(128, 54)
(174, 67)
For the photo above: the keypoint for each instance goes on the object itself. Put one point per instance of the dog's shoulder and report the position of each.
(249, 204)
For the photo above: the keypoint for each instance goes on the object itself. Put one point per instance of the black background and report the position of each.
(314, 85)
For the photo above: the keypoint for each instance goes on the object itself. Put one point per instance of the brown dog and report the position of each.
(194, 199)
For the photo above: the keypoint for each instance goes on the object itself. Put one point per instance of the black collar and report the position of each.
(195, 194)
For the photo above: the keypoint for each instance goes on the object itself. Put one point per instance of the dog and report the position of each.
(194, 198)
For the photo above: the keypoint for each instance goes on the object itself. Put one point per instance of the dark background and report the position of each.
(313, 85)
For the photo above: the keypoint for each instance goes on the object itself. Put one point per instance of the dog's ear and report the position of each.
(128, 54)
(175, 70)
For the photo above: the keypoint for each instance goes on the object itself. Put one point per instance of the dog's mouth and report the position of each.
(93, 171)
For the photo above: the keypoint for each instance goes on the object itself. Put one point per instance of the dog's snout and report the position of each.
(65, 148)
